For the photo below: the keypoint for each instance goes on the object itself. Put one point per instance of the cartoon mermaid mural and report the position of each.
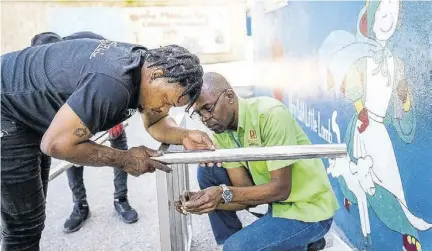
(364, 70)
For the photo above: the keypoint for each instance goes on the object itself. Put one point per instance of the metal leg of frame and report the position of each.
(175, 228)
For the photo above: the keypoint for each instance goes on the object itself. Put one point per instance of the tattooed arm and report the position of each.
(67, 138)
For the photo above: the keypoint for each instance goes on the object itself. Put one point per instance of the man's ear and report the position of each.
(157, 73)
(231, 96)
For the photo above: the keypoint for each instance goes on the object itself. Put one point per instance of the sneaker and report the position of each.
(318, 245)
(79, 215)
(125, 211)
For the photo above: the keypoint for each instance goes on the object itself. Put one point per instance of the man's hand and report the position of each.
(183, 198)
(199, 140)
(204, 201)
(137, 161)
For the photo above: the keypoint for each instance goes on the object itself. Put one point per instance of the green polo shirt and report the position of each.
(264, 121)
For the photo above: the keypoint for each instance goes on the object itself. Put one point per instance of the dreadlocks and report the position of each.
(179, 65)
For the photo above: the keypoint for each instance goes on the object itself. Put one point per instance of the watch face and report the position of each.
(227, 196)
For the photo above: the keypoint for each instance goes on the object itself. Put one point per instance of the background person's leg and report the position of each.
(76, 184)
(22, 191)
(277, 234)
(120, 176)
(121, 203)
(224, 223)
(120, 183)
(81, 211)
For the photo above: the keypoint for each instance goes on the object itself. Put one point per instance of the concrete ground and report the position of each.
(104, 230)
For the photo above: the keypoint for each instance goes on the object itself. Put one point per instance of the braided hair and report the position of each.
(179, 65)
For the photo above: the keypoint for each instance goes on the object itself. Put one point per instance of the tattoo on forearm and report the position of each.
(82, 131)
(92, 154)
(104, 156)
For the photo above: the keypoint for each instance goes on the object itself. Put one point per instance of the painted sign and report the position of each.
(201, 29)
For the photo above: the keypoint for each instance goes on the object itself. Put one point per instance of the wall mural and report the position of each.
(361, 67)
(373, 100)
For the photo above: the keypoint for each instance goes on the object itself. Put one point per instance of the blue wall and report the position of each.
(374, 82)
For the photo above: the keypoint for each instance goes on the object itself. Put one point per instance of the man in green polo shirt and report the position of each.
(298, 192)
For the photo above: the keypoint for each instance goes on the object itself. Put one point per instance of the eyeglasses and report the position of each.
(205, 114)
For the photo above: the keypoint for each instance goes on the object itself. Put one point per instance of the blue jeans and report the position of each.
(267, 233)
(76, 179)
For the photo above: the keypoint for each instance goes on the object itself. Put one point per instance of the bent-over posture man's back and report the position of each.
(118, 140)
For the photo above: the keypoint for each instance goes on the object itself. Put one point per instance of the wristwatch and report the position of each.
(227, 194)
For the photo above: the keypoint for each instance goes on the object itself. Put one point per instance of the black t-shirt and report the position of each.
(98, 79)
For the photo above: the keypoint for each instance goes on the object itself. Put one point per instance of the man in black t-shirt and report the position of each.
(118, 140)
(54, 97)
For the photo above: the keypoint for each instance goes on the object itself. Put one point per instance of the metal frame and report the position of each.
(255, 154)
(175, 228)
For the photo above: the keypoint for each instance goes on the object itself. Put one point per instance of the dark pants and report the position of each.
(76, 181)
(24, 182)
